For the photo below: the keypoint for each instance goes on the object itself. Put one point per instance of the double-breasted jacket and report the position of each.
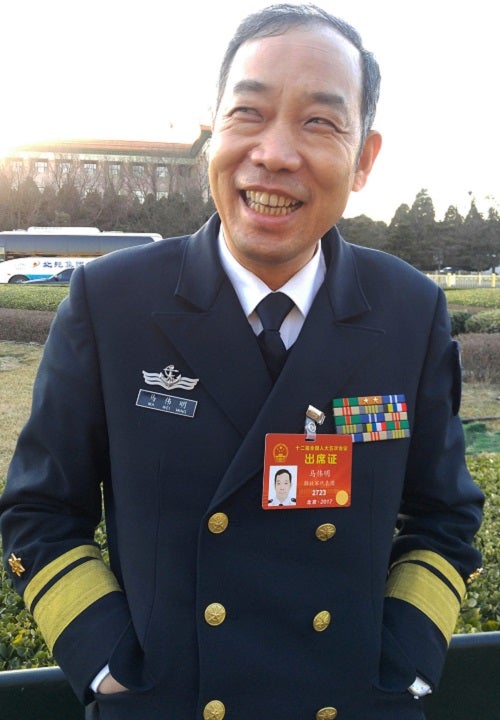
(212, 606)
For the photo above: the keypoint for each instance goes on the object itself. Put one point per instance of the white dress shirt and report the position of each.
(250, 289)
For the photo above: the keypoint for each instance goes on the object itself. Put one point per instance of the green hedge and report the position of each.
(21, 644)
(484, 322)
(46, 297)
(458, 319)
(481, 608)
(31, 297)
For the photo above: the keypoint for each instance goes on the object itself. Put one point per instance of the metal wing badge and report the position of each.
(170, 378)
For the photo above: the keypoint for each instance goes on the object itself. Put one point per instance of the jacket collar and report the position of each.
(201, 261)
(201, 275)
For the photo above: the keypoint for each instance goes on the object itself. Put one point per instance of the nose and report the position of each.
(276, 149)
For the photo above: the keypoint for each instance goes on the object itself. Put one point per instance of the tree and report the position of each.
(412, 233)
(474, 254)
(362, 230)
(68, 204)
(491, 243)
(449, 246)
(422, 218)
(26, 204)
(401, 240)
(6, 193)
(47, 209)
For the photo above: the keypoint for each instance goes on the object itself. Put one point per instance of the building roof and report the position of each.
(82, 146)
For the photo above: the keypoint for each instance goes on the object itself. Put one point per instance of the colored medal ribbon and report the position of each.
(372, 417)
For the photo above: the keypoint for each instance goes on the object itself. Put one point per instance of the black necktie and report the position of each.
(272, 310)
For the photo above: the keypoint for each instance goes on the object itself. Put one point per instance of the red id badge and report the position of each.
(302, 474)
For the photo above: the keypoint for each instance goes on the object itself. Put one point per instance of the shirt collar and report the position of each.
(250, 289)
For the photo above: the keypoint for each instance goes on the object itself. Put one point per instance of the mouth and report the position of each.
(270, 203)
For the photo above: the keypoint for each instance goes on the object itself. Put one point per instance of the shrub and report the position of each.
(458, 319)
(481, 608)
(484, 322)
(31, 297)
(479, 438)
(21, 645)
(25, 325)
(27, 311)
(480, 357)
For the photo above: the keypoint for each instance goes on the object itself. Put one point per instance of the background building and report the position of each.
(127, 167)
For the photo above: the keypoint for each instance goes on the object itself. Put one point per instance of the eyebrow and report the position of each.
(326, 98)
(250, 86)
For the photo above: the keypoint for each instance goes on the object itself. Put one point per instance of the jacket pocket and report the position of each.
(396, 671)
(127, 664)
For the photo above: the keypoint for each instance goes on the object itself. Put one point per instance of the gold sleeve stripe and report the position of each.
(70, 596)
(420, 587)
(46, 574)
(439, 563)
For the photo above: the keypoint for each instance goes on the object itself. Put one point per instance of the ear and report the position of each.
(367, 157)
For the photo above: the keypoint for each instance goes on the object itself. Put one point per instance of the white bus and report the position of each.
(36, 268)
(64, 242)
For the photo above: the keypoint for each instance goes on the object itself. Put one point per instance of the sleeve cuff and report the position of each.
(94, 685)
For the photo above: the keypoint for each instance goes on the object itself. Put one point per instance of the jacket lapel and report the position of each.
(208, 327)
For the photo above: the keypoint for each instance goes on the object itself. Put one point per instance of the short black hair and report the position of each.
(282, 471)
(276, 20)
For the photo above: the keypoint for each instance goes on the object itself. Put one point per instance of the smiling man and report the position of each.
(285, 346)
(288, 147)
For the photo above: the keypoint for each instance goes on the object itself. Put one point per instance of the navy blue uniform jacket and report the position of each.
(183, 496)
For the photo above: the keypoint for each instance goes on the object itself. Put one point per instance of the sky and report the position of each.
(116, 69)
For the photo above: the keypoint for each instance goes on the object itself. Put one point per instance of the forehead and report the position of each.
(318, 57)
(283, 475)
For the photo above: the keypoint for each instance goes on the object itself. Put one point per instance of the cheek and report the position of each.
(334, 170)
(224, 150)
(333, 178)
(221, 171)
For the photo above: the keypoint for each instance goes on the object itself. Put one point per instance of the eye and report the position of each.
(321, 121)
(244, 112)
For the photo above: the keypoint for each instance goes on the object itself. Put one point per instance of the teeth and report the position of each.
(272, 204)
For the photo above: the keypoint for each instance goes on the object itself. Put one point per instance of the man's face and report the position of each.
(285, 144)
(282, 485)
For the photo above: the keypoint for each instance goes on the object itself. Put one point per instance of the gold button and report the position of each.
(322, 620)
(326, 713)
(218, 522)
(325, 532)
(214, 710)
(215, 614)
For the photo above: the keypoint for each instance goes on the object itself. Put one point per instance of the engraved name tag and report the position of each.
(166, 403)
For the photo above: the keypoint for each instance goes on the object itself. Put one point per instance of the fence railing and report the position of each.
(474, 280)
(469, 690)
